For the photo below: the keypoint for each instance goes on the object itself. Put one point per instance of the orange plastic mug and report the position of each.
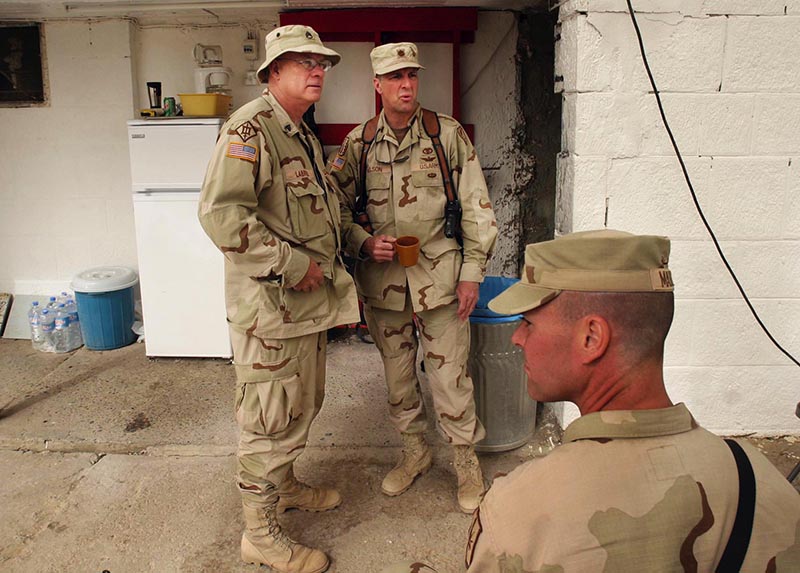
(407, 248)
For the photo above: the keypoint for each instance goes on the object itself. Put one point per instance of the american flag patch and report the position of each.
(338, 163)
(242, 151)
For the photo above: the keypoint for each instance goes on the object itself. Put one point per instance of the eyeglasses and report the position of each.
(311, 64)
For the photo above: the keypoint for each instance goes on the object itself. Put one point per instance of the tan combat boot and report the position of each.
(415, 461)
(470, 478)
(294, 494)
(265, 543)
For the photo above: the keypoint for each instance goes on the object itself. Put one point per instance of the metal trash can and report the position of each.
(497, 370)
(104, 296)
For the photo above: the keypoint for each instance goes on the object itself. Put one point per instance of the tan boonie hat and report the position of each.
(294, 38)
(590, 261)
(390, 57)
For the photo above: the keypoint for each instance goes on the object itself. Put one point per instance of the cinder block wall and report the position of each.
(729, 76)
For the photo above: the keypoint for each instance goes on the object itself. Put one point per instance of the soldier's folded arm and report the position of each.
(227, 213)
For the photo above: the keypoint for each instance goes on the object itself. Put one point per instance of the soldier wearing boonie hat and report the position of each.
(395, 170)
(637, 485)
(285, 286)
(293, 38)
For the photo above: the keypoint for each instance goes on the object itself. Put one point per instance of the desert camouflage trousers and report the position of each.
(445, 347)
(280, 385)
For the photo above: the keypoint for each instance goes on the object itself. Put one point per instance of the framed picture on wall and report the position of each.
(21, 67)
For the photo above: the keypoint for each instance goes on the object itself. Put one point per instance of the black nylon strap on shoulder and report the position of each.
(738, 542)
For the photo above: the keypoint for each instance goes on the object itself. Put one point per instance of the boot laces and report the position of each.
(276, 532)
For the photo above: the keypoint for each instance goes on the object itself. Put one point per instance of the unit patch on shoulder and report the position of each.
(242, 151)
(474, 533)
(246, 131)
(338, 162)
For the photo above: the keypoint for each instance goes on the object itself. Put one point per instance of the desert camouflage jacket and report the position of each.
(633, 491)
(267, 205)
(407, 197)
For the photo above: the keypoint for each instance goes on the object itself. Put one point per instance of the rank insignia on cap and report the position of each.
(242, 151)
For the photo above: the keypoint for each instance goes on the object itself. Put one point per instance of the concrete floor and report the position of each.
(111, 461)
(115, 462)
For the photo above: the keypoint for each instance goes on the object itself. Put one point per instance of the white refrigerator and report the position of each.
(181, 272)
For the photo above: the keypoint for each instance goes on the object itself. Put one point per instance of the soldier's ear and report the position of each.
(593, 335)
(377, 83)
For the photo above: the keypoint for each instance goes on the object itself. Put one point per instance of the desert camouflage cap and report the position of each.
(390, 57)
(590, 261)
(294, 38)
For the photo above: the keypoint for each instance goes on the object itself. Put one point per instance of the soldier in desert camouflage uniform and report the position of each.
(267, 205)
(406, 196)
(638, 485)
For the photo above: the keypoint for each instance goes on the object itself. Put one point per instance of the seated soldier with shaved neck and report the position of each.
(638, 485)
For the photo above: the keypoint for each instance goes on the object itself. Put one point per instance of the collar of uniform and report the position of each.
(383, 129)
(611, 424)
(287, 125)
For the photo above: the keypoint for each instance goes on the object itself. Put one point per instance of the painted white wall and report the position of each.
(730, 83)
(489, 100)
(65, 203)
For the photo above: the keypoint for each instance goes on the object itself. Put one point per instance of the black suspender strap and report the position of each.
(738, 542)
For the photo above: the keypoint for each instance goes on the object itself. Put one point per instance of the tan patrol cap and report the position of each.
(390, 57)
(589, 261)
(294, 38)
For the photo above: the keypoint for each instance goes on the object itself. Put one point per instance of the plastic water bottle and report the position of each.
(35, 322)
(48, 325)
(52, 303)
(74, 337)
(62, 298)
(61, 329)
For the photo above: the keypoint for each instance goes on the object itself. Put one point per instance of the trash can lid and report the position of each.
(490, 288)
(104, 279)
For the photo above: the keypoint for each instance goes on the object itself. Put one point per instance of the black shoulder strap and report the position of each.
(738, 542)
(367, 137)
(430, 121)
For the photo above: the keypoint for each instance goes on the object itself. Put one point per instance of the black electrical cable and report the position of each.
(694, 195)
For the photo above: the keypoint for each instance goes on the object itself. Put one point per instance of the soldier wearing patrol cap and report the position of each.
(637, 485)
(401, 173)
(267, 205)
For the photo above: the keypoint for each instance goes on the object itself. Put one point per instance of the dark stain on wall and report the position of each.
(538, 137)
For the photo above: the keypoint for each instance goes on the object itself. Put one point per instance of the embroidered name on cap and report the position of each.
(661, 279)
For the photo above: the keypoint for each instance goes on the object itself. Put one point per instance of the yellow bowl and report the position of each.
(209, 105)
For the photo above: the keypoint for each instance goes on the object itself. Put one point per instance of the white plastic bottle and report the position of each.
(74, 337)
(61, 329)
(48, 324)
(35, 322)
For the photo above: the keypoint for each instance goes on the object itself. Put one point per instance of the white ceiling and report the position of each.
(219, 11)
